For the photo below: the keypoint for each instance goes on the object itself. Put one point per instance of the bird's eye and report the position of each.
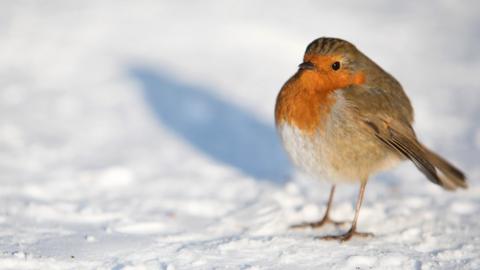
(336, 65)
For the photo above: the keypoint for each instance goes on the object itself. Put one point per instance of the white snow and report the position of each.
(139, 135)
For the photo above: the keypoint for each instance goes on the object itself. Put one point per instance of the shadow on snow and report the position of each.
(218, 128)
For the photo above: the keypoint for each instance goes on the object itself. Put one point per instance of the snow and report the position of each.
(139, 135)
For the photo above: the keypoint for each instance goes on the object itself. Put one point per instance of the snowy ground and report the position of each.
(139, 135)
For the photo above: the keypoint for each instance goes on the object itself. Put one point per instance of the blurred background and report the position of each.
(122, 114)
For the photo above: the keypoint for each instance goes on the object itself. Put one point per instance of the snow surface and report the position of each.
(139, 135)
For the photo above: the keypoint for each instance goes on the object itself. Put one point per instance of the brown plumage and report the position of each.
(342, 118)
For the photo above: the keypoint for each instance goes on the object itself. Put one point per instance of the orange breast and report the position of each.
(304, 102)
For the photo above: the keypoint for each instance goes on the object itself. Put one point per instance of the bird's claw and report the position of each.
(346, 236)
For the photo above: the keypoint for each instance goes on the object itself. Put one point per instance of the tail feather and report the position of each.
(450, 176)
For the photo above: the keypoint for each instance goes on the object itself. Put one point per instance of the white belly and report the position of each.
(307, 153)
(326, 159)
(338, 154)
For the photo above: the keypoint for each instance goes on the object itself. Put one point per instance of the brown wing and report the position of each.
(389, 120)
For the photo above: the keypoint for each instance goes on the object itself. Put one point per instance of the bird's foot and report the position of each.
(317, 224)
(346, 236)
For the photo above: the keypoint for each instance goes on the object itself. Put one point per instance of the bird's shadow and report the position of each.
(222, 130)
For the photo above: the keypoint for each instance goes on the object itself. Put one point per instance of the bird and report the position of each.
(342, 118)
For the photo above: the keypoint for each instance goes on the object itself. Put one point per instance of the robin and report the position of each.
(342, 118)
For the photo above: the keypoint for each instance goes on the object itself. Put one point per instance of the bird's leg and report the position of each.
(326, 218)
(353, 230)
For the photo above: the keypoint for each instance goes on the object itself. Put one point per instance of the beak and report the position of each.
(307, 65)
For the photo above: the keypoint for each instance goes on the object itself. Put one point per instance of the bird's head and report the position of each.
(331, 63)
